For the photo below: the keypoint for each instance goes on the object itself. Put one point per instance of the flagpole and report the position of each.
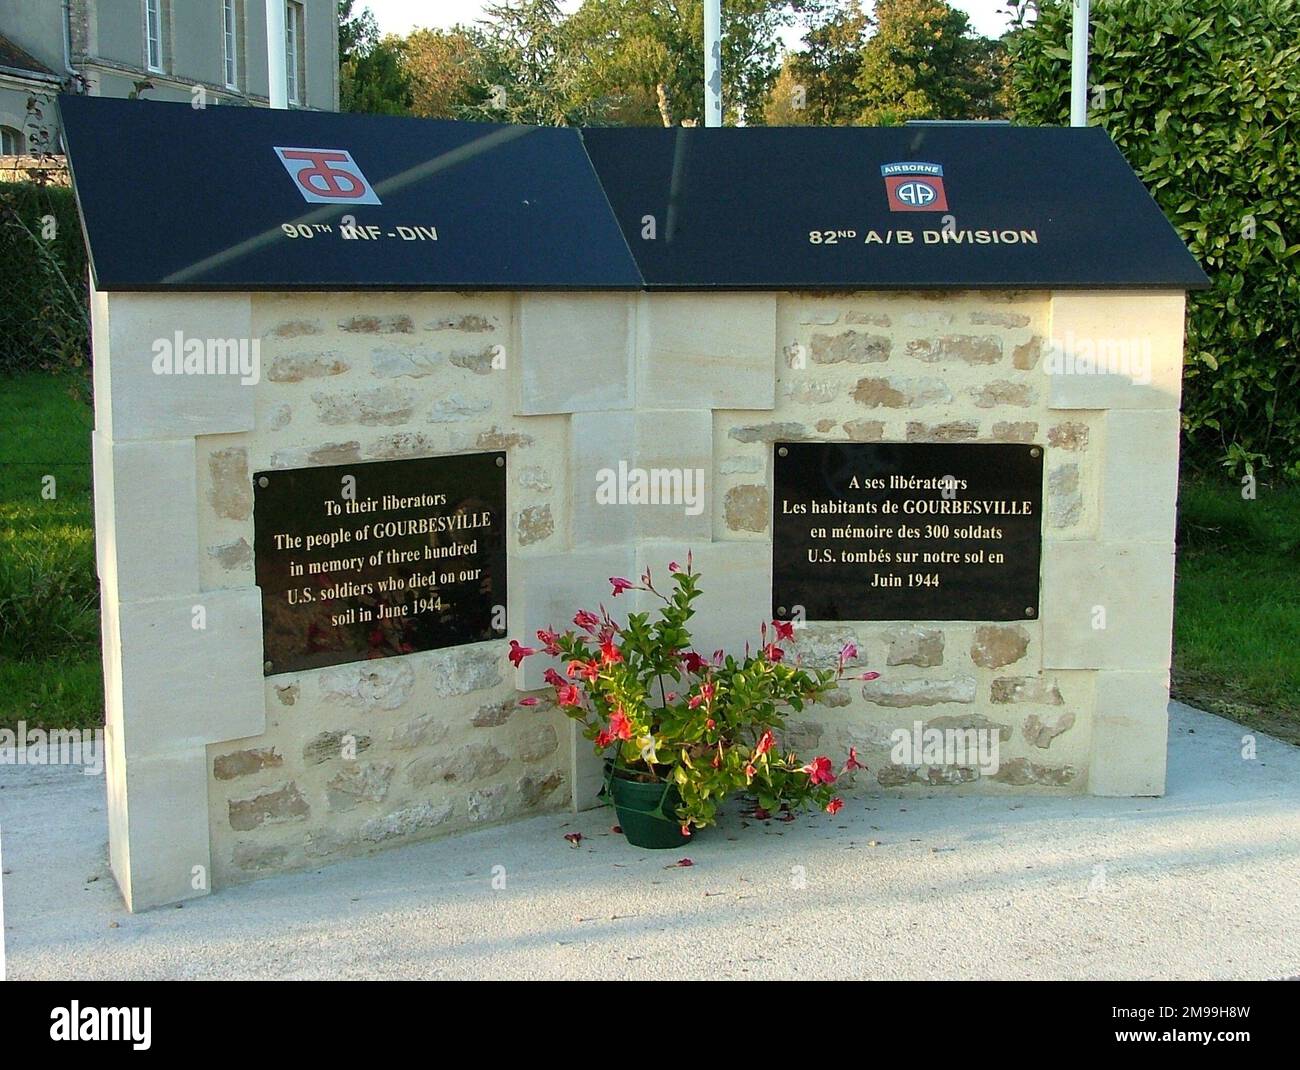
(1079, 66)
(277, 74)
(712, 62)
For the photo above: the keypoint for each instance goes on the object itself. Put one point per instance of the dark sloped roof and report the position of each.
(204, 201)
(18, 59)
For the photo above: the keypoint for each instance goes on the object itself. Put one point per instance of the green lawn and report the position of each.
(49, 601)
(1237, 608)
(1236, 628)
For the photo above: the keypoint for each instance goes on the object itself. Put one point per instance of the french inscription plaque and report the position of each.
(371, 560)
(906, 531)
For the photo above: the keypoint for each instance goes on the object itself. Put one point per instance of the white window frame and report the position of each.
(230, 43)
(153, 40)
(293, 18)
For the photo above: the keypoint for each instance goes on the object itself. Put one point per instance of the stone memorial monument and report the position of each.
(375, 395)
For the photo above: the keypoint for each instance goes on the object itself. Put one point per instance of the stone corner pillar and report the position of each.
(182, 666)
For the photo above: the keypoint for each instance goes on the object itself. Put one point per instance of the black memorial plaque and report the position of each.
(372, 560)
(906, 531)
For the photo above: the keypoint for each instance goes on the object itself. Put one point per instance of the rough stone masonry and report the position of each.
(218, 775)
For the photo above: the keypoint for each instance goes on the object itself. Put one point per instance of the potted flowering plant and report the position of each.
(681, 732)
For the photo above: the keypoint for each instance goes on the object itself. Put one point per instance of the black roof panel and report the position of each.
(236, 198)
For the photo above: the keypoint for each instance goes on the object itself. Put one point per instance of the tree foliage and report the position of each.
(923, 62)
(1203, 99)
(817, 85)
(372, 75)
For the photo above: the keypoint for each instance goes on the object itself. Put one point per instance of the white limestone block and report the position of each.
(1139, 491)
(134, 401)
(146, 518)
(574, 352)
(1136, 338)
(706, 351)
(1130, 729)
(1107, 605)
(185, 684)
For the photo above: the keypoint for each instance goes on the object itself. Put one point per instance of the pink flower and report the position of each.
(693, 663)
(671, 696)
(835, 805)
(705, 695)
(819, 770)
(568, 695)
(784, 629)
(673, 566)
(853, 762)
(619, 725)
(710, 724)
(848, 652)
(518, 653)
(621, 585)
(529, 701)
(773, 652)
(717, 761)
(586, 620)
(765, 744)
(603, 739)
(686, 831)
(609, 652)
(719, 657)
(549, 641)
(868, 676)
(750, 771)
(588, 669)
(573, 838)
(553, 678)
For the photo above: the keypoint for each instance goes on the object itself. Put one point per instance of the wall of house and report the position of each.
(217, 771)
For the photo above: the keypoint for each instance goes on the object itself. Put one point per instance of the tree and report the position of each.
(923, 62)
(1202, 97)
(375, 81)
(642, 61)
(445, 70)
(357, 32)
(527, 67)
(371, 74)
(817, 85)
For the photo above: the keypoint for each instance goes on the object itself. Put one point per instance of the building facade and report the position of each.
(157, 50)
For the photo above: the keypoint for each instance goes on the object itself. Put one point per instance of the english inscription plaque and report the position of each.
(372, 560)
(906, 531)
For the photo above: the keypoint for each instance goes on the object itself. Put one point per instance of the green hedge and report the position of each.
(43, 318)
(1203, 98)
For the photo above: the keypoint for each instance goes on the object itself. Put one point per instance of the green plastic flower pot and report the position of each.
(647, 813)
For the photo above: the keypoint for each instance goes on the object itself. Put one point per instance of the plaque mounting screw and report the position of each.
(783, 452)
(262, 481)
(780, 611)
(501, 462)
(266, 666)
(1035, 452)
(1029, 611)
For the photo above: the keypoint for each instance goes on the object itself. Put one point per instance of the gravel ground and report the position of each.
(1203, 883)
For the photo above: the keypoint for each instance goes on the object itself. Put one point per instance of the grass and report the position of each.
(1237, 606)
(1236, 619)
(49, 594)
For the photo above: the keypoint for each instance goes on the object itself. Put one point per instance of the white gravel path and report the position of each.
(1203, 883)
